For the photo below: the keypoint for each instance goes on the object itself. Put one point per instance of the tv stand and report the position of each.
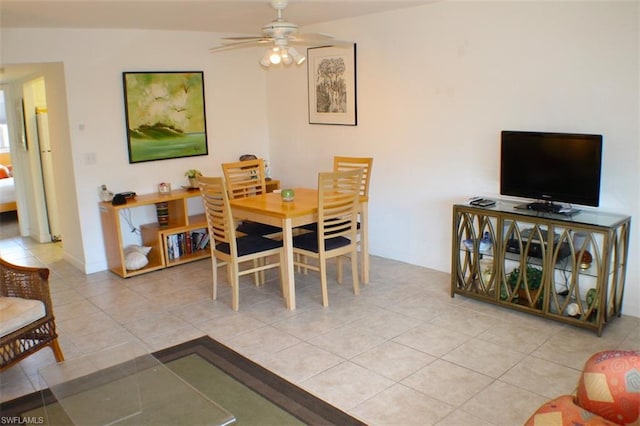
(575, 267)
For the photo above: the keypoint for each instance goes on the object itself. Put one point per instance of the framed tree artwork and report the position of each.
(332, 85)
(165, 115)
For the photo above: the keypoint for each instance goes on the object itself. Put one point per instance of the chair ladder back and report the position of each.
(216, 205)
(341, 164)
(338, 198)
(245, 178)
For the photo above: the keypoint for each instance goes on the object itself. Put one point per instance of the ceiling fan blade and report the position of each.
(320, 43)
(239, 45)
(242, 38)
(314, 36)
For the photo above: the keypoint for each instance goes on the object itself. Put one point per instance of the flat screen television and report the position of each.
(551, 168)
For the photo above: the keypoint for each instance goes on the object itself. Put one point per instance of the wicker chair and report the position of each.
(27, 284)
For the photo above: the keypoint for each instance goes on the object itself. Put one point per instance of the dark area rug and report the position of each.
(253, 394)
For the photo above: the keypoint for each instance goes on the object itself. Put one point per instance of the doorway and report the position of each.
(8, 211)
(31, 155)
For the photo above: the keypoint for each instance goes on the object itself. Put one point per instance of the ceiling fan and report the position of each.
(279, 35)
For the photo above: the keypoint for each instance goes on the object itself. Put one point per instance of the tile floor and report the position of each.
(402, 353)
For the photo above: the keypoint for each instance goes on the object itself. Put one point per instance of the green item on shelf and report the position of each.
(533, 278)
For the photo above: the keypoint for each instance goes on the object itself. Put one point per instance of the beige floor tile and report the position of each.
(309, 324)
(96, 342)
(229, 326)
(422, 307)
(262, 342)
(447, 382)
(119, 297)
(632, 341)
(484, 357)
(346, 385)
(518, 335)
(301, 361)
(461, 418)
(386, 323)
(155, 325)
(93, 323)
(543, 377)
(431, 339)
(393, 360)
(413, 355)
(201, 311)
(572, 347)
(172, 337)
(465, 321)
(79, 309)
(65, 296)
(400, 405)
(503, 404)
(271, 311)
(131, 311)
(347, 341)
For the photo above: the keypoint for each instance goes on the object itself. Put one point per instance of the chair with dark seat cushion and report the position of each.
(233, 250)
(341, 164)
(27, 323)
(338, 204)
(244, 179)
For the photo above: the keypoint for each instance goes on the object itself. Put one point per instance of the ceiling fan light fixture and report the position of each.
(286, 57)
(297, 57)
(265, 59)
(275, 57)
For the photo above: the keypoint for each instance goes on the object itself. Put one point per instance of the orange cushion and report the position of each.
(4, 172)
(563, 411)
(610, 386)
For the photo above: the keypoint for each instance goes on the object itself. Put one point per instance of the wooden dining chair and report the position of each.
(244, 179)
(366, 164)
(341, 164)
(336, 236)
(227, 247)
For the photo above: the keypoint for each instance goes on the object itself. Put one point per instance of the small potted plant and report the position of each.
(192, 175)
(533, 282)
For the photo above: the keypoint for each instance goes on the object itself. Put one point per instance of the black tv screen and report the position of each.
(551, 167)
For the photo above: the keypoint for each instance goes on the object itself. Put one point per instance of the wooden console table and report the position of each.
(575, 265)
(159, 238)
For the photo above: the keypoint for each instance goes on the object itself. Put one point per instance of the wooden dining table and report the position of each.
(271, 209)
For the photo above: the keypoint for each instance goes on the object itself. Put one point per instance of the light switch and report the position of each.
(90, 158)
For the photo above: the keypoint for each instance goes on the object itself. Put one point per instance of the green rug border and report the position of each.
(296, 401)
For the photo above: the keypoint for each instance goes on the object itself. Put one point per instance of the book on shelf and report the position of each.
(204, 243)
(188, 242)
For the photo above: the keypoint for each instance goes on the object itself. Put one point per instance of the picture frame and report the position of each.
(165, 115)
(332, 85)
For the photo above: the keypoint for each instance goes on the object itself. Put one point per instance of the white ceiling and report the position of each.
(233, 17)
(221, 16)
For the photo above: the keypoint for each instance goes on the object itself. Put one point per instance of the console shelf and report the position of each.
(575, 266)
(181, 225)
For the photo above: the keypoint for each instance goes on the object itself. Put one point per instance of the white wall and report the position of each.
(235, 97)
(436, 84)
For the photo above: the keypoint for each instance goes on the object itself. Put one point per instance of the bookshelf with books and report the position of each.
(185, 245)
(182, 225)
